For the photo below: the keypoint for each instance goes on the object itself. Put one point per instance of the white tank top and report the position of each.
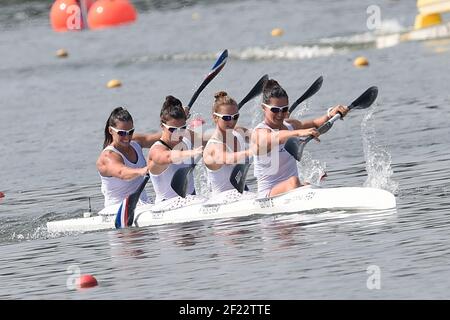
(220, 178)
(115, 189)
(272, 168)
(161, 182)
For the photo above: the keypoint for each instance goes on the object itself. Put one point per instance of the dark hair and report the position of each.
(118, 114)
(272, 89)
(172, 108)
(222, 98)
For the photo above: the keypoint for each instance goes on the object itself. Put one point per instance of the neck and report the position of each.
(167, 139)
(120, 147)
(220, 134)
(274, 125)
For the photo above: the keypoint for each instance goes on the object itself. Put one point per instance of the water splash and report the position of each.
(310, 170)
(256, 112)
(301, 109)
(378, 159)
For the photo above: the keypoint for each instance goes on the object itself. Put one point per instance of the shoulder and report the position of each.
(214, 145)
(157, 147)
(261, 130)
(136, 145)
(296, 124)
(108, 156)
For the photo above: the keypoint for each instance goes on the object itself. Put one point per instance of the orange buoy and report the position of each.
(65, 15)
(108, 13)
(62, 53)
(361, 62)
(86, 281)
(277, 32)
(114, 83)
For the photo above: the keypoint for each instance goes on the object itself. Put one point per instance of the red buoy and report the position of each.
(2, 195)
(108, 13)
(86, 281)
(66, 15)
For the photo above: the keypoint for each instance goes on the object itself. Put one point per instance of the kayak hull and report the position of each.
(302, 199)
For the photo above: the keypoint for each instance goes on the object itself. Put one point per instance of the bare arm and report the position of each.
(161, 156)
(110, 164)
(317, 122)
(264, 138)
(146, 140)
(216, 155)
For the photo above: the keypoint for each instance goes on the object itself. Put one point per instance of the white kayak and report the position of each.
(232, 204)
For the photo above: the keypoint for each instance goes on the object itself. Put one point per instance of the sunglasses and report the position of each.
(276, 109)
(173, 129)
(123, 133)
(227, 117)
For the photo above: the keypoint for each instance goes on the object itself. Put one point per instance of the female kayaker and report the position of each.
(121, 164)
(274, 168)
(226, 146)
(172, 151)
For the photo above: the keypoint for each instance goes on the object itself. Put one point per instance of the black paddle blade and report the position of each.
(255, 91)
(180, 180)
(238, 177)
(312, 90)
(218, 65)
(294, 146)
(365, 100)
(134, 197)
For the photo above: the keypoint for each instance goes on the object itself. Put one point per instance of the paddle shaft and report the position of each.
(295, 145)
(217, 67)
(363, 101)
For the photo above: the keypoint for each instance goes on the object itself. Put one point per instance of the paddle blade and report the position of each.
(312, 90)
(218, 65)
(255, 91)
(125, 214)
(365, 100)
(238, 177)
(122, 215)
(294, 147)
(180, 180)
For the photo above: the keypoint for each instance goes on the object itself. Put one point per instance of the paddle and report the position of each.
(125, 214)
(239, 174)
(255, 91)
(179, 179)
(312, 90)
(295, 145)
(220, 63)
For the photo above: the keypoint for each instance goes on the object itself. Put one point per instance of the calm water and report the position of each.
(53, 112)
